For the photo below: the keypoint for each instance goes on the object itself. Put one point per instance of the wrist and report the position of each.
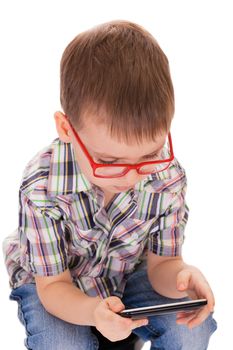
(94, 303)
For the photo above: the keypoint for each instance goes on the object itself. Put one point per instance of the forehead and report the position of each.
(98, 140)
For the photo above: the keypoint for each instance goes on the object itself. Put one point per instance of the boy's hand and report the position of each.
(110, 324)
(192, 281)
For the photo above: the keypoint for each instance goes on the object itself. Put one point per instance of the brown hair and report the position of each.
(118, 72)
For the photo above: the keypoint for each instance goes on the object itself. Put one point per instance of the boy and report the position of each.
(102, 209)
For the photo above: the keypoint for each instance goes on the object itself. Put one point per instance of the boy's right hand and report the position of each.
(110, 324)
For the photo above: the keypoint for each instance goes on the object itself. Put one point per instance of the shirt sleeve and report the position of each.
(41, 231)
(167, 232)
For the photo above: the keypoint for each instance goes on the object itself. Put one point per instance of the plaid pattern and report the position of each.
(63, 224)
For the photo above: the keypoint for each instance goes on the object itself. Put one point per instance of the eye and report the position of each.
(153, 156)
(105, 161)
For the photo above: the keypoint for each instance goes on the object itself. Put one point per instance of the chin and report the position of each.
(118, 189)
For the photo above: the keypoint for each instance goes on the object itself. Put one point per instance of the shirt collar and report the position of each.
(65, 176)
(158, 181)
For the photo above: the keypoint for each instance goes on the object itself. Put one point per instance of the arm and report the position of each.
(65, 301)
(172, 277)
(167, 272)
(162, 273)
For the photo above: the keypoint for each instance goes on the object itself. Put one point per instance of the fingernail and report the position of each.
(181, 286)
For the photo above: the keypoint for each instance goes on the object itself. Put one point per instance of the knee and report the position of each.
(179, 337)
(45, 331)
(200, 335)
(70, 338)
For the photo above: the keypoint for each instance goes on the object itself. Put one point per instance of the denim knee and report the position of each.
(72, 338)
(179, 337)
(45, 331)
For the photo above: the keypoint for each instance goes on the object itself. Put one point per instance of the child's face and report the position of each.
(102, 147)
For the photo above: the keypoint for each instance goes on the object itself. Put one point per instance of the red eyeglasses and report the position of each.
(117, 170)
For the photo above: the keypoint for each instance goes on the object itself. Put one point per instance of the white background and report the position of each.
(197, 38)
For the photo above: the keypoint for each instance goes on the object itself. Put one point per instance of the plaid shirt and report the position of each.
(63, 224)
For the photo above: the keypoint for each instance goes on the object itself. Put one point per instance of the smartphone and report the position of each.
(144, 312)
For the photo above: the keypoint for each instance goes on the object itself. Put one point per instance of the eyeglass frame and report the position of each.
(127, 167)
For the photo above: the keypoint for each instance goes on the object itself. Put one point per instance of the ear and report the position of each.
(63, 127)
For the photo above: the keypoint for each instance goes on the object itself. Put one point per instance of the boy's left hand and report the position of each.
(192, 281)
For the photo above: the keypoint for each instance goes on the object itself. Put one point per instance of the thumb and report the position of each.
(115, 304)
(182, 280)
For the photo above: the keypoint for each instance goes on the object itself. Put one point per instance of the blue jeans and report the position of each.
(47, 332)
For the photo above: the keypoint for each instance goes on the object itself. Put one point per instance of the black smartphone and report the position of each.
(144, 312)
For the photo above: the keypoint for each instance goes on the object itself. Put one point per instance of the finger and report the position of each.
(185, 314)
(198, 318)
(182, 280)
(185, 320)
(139, 323)
(128, 324)
(185, 317)
(204, 291)
(115, 304)
(118, 322)
(210, 299)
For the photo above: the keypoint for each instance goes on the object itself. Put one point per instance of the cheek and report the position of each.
(86, 169)
(84, 165)
(103, 183)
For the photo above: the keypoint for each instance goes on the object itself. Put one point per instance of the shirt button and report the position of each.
(84, 243)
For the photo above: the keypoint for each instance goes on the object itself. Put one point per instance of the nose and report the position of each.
(131, 178)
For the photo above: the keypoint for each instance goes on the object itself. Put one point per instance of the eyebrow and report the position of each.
(104, 155)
